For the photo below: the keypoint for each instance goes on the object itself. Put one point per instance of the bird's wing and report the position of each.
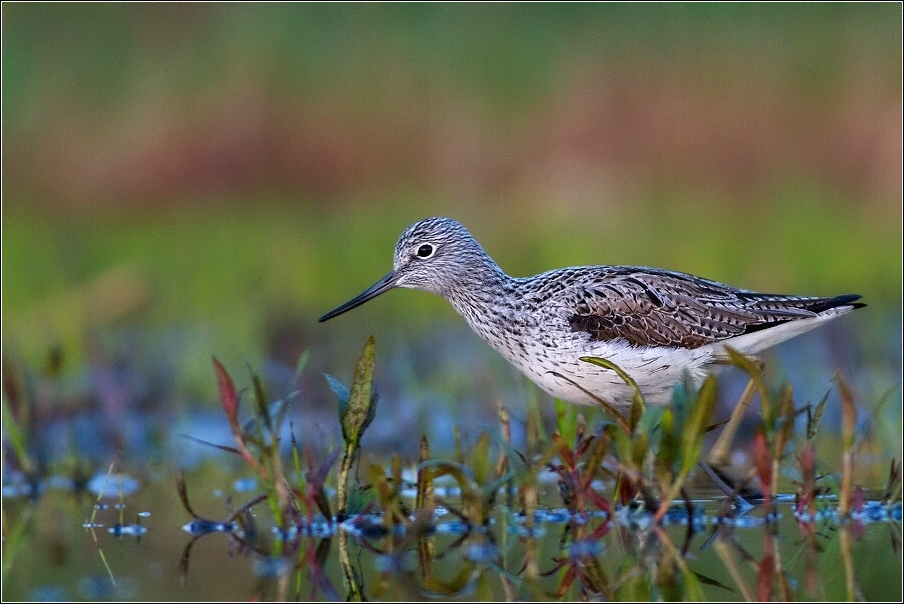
(650, 307)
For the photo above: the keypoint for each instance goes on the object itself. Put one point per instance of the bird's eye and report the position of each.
(425, 251)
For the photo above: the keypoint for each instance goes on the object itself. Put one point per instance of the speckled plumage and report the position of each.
(656, 325)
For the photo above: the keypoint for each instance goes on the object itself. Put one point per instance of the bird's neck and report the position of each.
(482, 295)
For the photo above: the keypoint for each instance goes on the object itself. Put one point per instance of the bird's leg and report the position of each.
(721, 450)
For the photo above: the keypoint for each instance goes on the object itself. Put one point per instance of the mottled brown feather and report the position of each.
(651, 307)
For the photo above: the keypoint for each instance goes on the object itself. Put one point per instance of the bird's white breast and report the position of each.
(553, 363)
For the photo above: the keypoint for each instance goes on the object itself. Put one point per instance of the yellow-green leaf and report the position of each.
(361, 402)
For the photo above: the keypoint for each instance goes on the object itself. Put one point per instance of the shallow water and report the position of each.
(51, 554)
(59, 546)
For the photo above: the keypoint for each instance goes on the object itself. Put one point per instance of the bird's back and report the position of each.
(657, 325)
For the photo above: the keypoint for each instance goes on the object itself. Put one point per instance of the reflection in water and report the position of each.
(775, 551)
(567, 555)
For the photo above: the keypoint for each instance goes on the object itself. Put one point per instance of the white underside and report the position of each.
(656, 369)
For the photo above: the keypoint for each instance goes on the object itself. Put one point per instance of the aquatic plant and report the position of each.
(617, 481)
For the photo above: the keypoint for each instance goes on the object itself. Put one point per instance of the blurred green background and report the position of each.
(188, 180)
(220, 175)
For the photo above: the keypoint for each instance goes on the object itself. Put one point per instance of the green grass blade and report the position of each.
(638, 404)
(701, 414)
(361, 402)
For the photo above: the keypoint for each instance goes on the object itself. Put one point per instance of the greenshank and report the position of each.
(657, 325)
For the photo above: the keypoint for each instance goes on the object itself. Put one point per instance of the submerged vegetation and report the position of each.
(624, 487)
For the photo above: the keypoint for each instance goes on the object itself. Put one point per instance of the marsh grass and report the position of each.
(618, 481)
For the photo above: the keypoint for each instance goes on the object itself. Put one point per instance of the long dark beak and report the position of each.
(383, 285)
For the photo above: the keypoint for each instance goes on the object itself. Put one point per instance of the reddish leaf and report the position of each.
(765, 577)
(626, 490)
(226, 448)
(228, 396)
(858, 500)
(183, 494)
(807, 462)
(564, 451)
(600, 531)
(230, 400)
(598, 500)
(567, 580)
(762, 461)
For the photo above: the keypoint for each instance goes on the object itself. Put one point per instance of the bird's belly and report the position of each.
(559, 371)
